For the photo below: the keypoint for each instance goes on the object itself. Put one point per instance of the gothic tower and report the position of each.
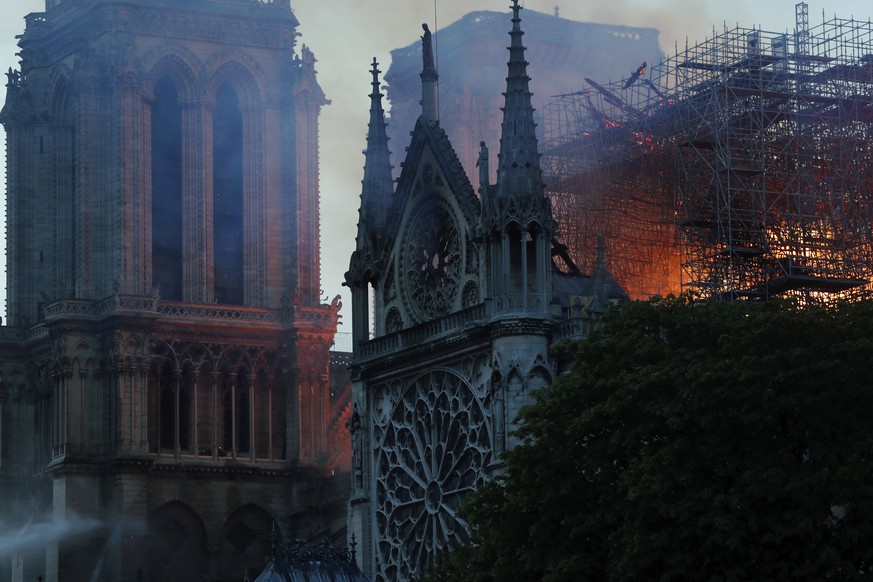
(467, 300)
(164, 395)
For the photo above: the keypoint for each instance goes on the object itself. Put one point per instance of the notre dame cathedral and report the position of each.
(468, 294)
(164, 367)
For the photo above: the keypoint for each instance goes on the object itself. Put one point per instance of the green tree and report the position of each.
(691, 441)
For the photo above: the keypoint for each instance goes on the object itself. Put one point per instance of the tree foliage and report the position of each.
(704, 441)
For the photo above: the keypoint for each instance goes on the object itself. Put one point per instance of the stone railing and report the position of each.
(75, 307)
(145, 304)
(314, 314)
(35, 332)
(246, 314)
(519, 302)
(12, 334)
(22, 335)
(576, 328)
(35, 19)
(422, 333)
(127, 303)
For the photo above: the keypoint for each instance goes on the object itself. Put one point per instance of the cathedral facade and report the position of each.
(164, 398)
(468, 293)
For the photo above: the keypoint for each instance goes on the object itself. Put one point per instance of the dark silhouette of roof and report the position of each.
(302, 562)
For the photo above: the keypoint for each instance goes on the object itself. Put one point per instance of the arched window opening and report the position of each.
(205, 420)
(263, 426)
(174, 408)
(225, 444)
(514, 275)
(243, 412)
(531, 237)
(279, 418)
(186, 403)
(227, 142)
(167, 409)
(167, 191)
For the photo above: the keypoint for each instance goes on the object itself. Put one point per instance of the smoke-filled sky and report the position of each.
(345, 35)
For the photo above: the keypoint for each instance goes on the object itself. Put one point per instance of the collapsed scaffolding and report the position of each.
(741, 167)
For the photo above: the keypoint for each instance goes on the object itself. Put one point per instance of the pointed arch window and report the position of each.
(236, 408)
(166, 409)
(227, 142)
(243, 412)
(515, 241)
(174, 392)
(167, 190)
(262, 421)
(65, 187)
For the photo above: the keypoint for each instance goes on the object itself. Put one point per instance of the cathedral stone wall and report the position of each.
(165, 389)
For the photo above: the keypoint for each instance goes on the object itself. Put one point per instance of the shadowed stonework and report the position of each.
(165, 393)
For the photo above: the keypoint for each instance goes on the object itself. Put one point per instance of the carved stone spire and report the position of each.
(429, 79)
(518, 171)
(377, 192)
(605, 289)
(378, 183)
(518, 215)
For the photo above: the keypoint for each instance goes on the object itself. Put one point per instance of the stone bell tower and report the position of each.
(164, 396)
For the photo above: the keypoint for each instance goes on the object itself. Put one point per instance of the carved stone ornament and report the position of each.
(431, 262)
(437, 444)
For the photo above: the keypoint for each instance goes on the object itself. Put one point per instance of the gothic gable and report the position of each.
(428, 249)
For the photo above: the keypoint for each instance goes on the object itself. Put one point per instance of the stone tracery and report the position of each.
(432, 262)
(435, 447)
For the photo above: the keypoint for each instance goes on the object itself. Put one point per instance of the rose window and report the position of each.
(432, 262)
(435, 449)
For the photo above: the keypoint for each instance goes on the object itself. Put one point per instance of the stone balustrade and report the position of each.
(422, 333)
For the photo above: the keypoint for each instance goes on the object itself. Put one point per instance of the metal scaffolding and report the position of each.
(752, 150)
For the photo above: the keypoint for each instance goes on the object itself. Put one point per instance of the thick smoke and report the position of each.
(676, 19)
(40, 533)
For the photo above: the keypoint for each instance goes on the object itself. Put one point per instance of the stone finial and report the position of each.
(482, 164)
(429, 78)
(428, 64)
(518, 169)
